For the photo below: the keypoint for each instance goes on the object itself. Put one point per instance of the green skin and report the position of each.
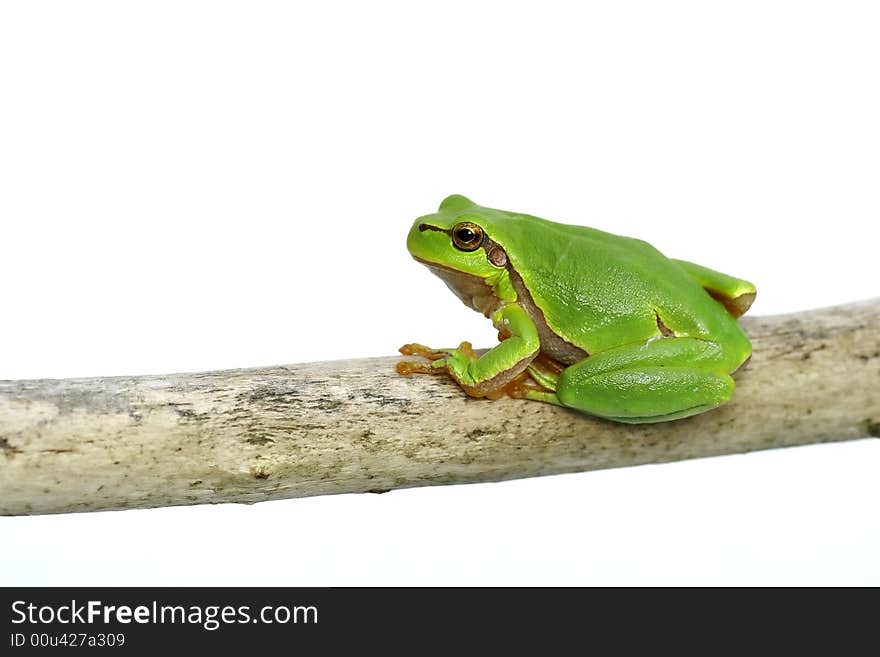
(641, 337)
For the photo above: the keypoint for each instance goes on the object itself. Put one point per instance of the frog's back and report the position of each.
(599, 290)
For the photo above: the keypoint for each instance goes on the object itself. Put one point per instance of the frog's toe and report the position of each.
(407, 367)
(467, 350)
(435, 358)
(415, 349)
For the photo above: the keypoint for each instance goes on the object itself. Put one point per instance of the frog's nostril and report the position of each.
(423, 227)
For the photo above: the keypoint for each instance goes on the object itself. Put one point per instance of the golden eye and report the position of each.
(467, 236)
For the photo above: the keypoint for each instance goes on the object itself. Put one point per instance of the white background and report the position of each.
(201, 185)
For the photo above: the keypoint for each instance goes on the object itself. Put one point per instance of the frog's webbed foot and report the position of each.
(521, 386)
(486, 374)
(452, 362)
(437, 358)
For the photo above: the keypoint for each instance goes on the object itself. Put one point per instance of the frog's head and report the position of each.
(457, 237)
(456, 244)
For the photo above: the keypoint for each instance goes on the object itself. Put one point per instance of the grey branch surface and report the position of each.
(356, 426)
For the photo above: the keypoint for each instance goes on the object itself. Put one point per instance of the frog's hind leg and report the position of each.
(735, 294)
(664, 379)
(630, 401)
(541, 379)
(537, 382)
(545, 371)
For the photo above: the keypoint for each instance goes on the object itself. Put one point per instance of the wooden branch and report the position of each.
(356, 426)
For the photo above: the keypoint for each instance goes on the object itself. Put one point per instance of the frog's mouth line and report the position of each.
(441, 269)
(428, 263)
(446, 268)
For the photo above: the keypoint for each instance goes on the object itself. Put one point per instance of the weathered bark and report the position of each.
(356, 426)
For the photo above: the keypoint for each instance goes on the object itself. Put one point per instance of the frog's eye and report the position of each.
(467, 236)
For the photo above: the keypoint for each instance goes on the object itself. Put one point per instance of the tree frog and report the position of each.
(592, 321)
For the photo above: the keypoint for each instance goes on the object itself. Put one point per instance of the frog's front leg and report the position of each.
(485, 375)
(663, 379)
